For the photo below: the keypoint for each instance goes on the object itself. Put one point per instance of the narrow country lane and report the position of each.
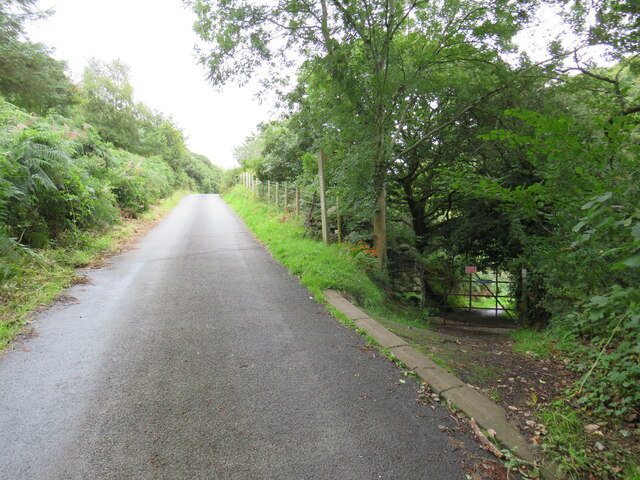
(196, 356)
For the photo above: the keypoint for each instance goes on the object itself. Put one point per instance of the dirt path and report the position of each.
(478, 350)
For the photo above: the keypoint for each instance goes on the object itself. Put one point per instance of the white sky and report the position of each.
(155, 38)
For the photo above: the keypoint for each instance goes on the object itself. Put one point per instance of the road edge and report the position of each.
(484, 411)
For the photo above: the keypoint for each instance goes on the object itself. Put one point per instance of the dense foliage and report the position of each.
(29, 76)
(59, 180)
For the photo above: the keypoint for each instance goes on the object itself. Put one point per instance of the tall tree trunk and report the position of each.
(380, 226)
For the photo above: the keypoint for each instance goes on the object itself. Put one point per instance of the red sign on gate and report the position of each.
(470, 269)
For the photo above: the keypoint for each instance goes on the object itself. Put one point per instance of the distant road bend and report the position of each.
(196, 356)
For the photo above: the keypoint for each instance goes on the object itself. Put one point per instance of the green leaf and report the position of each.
(604, 198)
(599, 300)
(579, 226)
(632, 261)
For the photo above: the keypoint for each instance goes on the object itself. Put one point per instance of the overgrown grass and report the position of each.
(320, 267)
(573, 450)
(410, 315)
(605, 452)
(532, 342)
(44, 276)
(544, 343)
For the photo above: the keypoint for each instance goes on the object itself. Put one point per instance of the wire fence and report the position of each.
(303, 201)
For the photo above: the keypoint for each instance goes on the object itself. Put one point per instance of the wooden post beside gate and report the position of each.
(322, 158)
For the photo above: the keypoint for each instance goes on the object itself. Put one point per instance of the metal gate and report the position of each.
(478, 291)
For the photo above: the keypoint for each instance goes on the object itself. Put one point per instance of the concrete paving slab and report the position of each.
(439, 379)
(486, 413)
(489, 415)
(383, 336)
(413, 359)
(332, 294)
(346, 307)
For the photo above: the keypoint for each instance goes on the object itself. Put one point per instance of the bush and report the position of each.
(59, 180)
(138, 182)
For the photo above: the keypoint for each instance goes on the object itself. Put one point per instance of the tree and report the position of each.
(613, 23)
(370, 55)
(14, 14)
(107, 103)
(249, 154)
(29, 77)
(274, 153)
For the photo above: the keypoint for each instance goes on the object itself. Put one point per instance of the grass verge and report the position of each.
(578, 446)
(320, 267)
(44, 275)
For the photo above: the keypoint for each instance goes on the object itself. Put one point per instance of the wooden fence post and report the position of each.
(269, 191)
(286, 198)
(322, 158)
(277, 193)
(470, 290)
(297, 200)
(497, 291)
(338, 218)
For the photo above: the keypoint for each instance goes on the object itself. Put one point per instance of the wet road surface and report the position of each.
(196, 356)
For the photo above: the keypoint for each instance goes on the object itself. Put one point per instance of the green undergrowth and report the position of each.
(320, 267)
(608, 449)
(409, 315)
(45, 273)
(538, 344)
(576, 450)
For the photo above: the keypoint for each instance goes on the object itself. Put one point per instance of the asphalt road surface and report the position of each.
(196, 356)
